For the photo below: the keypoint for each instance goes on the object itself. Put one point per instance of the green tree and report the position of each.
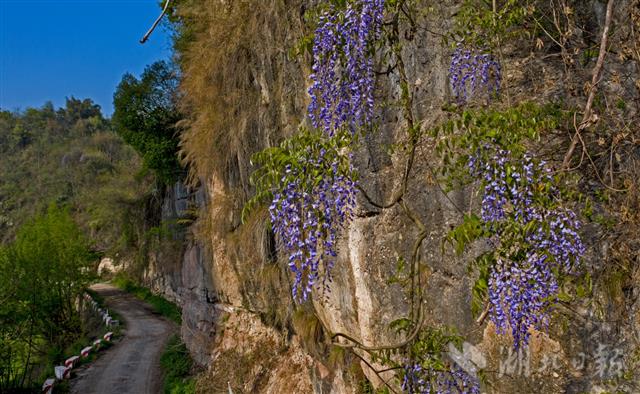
(146, 114)
(7, 122)
(77, 109)
(44, 271)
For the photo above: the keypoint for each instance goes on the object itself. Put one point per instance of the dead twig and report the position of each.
(153, 27)
(484, 314)
(385, 381)
(588, 118)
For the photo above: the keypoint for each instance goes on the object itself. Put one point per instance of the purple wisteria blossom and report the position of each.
(419, 380)
(470, 72)
(306, 221)
(520, 295)
(561, 240)
(307, 214)
(522, 290)
(494, 178)
(342, 74)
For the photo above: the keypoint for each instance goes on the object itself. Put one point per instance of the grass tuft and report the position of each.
(177, 366)
(307, 325)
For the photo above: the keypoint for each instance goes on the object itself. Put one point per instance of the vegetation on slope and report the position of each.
(44, 271)
(69, 156)
(161, 305)
(91, 196)
(177, 365)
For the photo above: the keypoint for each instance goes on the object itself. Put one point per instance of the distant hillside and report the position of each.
(72, 157)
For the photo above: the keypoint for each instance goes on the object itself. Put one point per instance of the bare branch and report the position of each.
(153, 27)
(484, 314)
(385, 381)
(588, 118)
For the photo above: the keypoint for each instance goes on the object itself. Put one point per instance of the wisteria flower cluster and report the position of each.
(306, 221)
(471, 73)
(507, 189)
(520, 295)
(518, 199)
(419, 380)
(342, 73)
(310, 183)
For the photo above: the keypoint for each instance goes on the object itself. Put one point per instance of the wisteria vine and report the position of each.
(315, 198)
(471, 72)
(523, 283)
(310, 183)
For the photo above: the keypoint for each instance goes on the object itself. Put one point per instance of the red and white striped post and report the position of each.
(85, 352)
(47, 387)
(71, 361)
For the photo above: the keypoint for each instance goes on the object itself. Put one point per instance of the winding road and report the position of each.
(132, 366)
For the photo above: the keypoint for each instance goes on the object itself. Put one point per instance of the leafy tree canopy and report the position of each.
(44, 270)
(146, 114)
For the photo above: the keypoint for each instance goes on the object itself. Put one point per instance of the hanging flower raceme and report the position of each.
(518, 199)
(306, 221)
(343, 80)
(310, 184)
(521, 294)
(419, 380)
(471, 73)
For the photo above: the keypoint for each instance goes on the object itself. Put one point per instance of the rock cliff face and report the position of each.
(182, 271)
(233, 285)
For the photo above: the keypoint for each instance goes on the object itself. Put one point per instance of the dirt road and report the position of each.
(132, 365)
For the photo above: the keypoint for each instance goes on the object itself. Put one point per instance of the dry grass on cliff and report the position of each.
(241, 372)
(234, 60)
(216, 80)
(265, 282)
(229, 48)
(307, 325)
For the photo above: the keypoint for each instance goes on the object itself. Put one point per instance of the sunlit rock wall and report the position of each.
(239, 318)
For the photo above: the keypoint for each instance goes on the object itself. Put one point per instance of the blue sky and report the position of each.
(52, 49)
